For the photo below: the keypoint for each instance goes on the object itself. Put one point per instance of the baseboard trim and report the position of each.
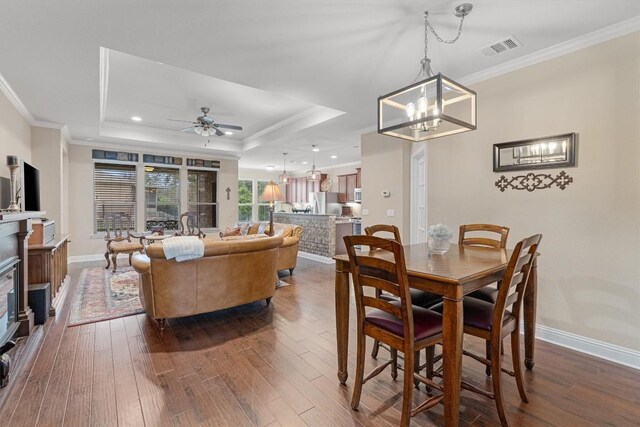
(600, 349)
(314, 257)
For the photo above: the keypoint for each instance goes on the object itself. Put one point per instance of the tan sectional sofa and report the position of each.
(230, 273)
(291, 237)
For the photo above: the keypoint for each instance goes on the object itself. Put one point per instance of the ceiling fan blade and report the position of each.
(185, 121)
(223, 126)
(187, 129)
(219, 132)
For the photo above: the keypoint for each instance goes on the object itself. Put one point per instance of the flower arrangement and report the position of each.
(439, 232)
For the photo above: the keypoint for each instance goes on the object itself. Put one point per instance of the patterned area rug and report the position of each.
(103, 295)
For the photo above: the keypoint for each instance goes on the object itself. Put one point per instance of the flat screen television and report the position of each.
(30, 187)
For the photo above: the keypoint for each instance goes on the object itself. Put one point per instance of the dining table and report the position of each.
(454, 274)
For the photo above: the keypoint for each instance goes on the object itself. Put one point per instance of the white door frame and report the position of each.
(415, 158)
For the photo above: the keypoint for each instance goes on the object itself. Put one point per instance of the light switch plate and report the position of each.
(391, 212)
(365, 212)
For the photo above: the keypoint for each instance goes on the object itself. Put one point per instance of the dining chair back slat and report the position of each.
(501, 231)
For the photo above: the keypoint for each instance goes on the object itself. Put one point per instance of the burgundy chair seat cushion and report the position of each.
(477, 313)
(426, 323)
(488, 294)
(419, 298)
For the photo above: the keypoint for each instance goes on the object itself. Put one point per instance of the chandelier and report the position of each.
(284, 178)
(314, 174)
(433, 105)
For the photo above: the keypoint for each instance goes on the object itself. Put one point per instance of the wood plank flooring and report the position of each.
(272, 366)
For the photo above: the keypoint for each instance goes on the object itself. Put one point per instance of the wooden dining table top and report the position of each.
(460, 264)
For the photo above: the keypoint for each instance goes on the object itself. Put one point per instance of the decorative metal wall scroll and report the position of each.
(540, 153)
(533, 181)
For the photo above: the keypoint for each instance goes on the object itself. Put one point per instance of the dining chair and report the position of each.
(493, 322)
(399, 324)
(418, 297)
(487, 293)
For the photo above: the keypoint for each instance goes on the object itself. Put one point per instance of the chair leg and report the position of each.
(106, 255)
(357, 387)
(130, 257)
(515, 356)
(394, 365)
(407, 392)
(430, 353)
(497, 387)
(416, 368)
(268, 300)
(376, 347)
(114, 258)
(487, 344)
(291, 272)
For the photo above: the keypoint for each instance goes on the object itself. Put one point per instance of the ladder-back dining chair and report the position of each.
(397, 323)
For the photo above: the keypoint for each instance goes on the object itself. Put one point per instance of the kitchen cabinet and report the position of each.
(358, 178)
(342, 188)
(351, 186)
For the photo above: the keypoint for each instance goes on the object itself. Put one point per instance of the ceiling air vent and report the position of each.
(501, 46)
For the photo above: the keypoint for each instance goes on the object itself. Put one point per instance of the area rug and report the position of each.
(103, 295)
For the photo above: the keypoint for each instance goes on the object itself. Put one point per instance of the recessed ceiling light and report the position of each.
(334, 157)
(136, 118)
(228, 132)
(270, 168)
(304, 163)
(316, 149)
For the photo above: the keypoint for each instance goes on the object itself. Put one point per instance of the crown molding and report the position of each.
(590, 39)
(15, 100)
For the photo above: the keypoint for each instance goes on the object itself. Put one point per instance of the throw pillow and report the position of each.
(231, 232)
(244, 227)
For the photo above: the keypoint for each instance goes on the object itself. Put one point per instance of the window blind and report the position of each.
(114, 191)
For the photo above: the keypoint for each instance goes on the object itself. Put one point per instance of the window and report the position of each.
(115, 192)
(245, 200)
(203, 191)
(263, 208)
(162, 197)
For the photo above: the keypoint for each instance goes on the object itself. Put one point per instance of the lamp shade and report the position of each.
(271, 193)
(431, 108)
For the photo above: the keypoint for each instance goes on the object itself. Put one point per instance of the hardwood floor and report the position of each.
(273, 366)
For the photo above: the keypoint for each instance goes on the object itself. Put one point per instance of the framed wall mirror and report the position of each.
(540, 153)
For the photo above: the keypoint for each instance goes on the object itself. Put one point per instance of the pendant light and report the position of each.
(314, 174)
(284, 178)
(432, 106)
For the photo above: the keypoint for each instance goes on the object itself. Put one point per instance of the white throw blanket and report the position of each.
(183, 248)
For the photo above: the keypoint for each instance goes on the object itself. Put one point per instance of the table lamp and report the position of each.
(271, 194)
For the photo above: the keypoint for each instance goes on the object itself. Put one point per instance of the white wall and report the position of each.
(81, 197)
(589, 271)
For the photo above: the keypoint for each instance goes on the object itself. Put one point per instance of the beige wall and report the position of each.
(81, 198)
(589, 271)
(48, 153)
(15, 135)
(386, 164)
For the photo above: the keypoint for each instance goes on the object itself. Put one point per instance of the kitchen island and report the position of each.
(322, 234)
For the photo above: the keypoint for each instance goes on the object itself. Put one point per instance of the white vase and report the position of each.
(438, 247)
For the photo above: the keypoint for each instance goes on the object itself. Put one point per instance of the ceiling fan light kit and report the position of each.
(206, 126)
(434, 105)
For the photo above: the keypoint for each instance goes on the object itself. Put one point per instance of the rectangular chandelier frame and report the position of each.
(449, 125)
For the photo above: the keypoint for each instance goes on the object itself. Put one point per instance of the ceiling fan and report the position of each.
(205, 125)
